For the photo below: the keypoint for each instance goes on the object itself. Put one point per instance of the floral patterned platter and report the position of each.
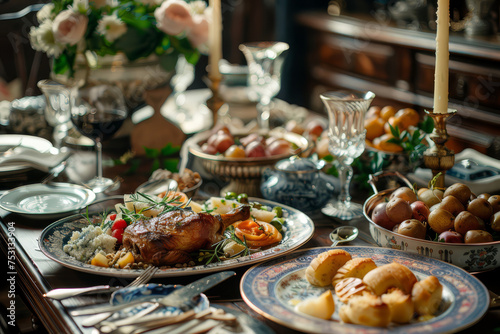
(274, 287)
(298, 229)
(471, 257)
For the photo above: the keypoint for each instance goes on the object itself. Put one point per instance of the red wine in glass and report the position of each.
(98, 113)
(99, 125)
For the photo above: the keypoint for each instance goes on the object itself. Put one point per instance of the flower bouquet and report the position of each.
(73, 32)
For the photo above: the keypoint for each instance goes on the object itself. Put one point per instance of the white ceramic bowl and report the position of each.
(471, 257)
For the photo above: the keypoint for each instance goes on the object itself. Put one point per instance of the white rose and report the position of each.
(81, 6)
(42, 39)
(198, 7)
(111, 27)
(173, 17)
(69, 27)
(198, 34)
(45, 13)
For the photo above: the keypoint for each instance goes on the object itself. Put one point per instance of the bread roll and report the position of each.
(349, 287)
(392, 275)
(367, 309)
(426, 295)
(322, 268)
(357, 267)
(400, 304)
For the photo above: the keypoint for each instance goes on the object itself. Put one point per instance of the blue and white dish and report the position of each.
(152, 292)
(298, 230)
(273, 289)
(297, 182)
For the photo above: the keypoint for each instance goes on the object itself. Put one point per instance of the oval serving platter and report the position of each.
(299, 229)
(273, 288)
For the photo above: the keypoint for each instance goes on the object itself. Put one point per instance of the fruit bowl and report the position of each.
(471, 257)
(244, 174)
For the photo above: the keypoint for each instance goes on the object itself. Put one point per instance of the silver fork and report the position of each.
(64, 293)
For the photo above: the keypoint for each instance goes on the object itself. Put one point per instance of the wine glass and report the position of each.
(346, 114)
(97, 113)
(57, 109)
(265, 60)
(183, 77)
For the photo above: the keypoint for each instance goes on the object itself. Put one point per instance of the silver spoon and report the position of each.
(155, 187)
(343, 234)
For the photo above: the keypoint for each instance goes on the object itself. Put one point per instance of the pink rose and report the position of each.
(198, 34)
(69, 27)
(173, 17)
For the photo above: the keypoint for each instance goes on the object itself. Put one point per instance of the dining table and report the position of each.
(30, 274)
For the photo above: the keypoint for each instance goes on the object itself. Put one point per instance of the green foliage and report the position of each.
(412, 143)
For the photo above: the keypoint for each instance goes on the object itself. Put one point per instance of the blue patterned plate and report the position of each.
(273, 289)
(298, 229)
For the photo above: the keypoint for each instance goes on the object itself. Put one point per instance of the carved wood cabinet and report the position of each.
(398, 66)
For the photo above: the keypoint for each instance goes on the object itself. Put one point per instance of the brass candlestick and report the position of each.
(439, 158)
(215, 102)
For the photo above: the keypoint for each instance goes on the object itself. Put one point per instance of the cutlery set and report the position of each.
(182, 297)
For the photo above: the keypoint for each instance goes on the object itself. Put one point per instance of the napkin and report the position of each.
(26, 156)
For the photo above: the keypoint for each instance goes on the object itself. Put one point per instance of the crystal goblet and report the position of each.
(183, 77)
(346, 114)
(57, 109)
(98, 113)
(265, 60)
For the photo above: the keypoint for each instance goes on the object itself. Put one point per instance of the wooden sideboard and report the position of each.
(361, 53)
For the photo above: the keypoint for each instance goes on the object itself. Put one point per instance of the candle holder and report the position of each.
(439, 158)
(215, 102)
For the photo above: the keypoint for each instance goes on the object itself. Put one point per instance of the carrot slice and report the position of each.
(257, 233)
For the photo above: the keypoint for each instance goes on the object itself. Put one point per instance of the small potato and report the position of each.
(405, 193)
(461, 191)
(477, 237)
(412, 228)
(441, 220)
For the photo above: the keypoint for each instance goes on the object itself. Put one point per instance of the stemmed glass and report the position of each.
(346, 114)
(57, 109)
(184, 76)
(265, 60)
(97, 113)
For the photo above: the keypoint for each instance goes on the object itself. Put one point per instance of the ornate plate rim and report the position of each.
(64, 227)
(277, 312)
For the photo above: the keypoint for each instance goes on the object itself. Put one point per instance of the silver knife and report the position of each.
(178, 297)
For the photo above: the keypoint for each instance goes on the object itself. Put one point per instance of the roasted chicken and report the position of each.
(171, 237)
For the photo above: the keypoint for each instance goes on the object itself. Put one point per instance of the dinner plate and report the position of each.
(299, 228)
(274, 287)
(10, 141)
(46, 201)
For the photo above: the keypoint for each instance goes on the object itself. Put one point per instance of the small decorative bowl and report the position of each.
(471, 257)
(244, 174)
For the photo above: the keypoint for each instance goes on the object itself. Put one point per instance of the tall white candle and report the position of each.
(442, 57)
(215, 40)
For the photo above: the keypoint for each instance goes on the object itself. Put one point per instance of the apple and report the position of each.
(245, 141)
(209, 149)
(420, 211)
(255, 150)
(279, 146)
(223, 142)
(315, 128)
(451, 237)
